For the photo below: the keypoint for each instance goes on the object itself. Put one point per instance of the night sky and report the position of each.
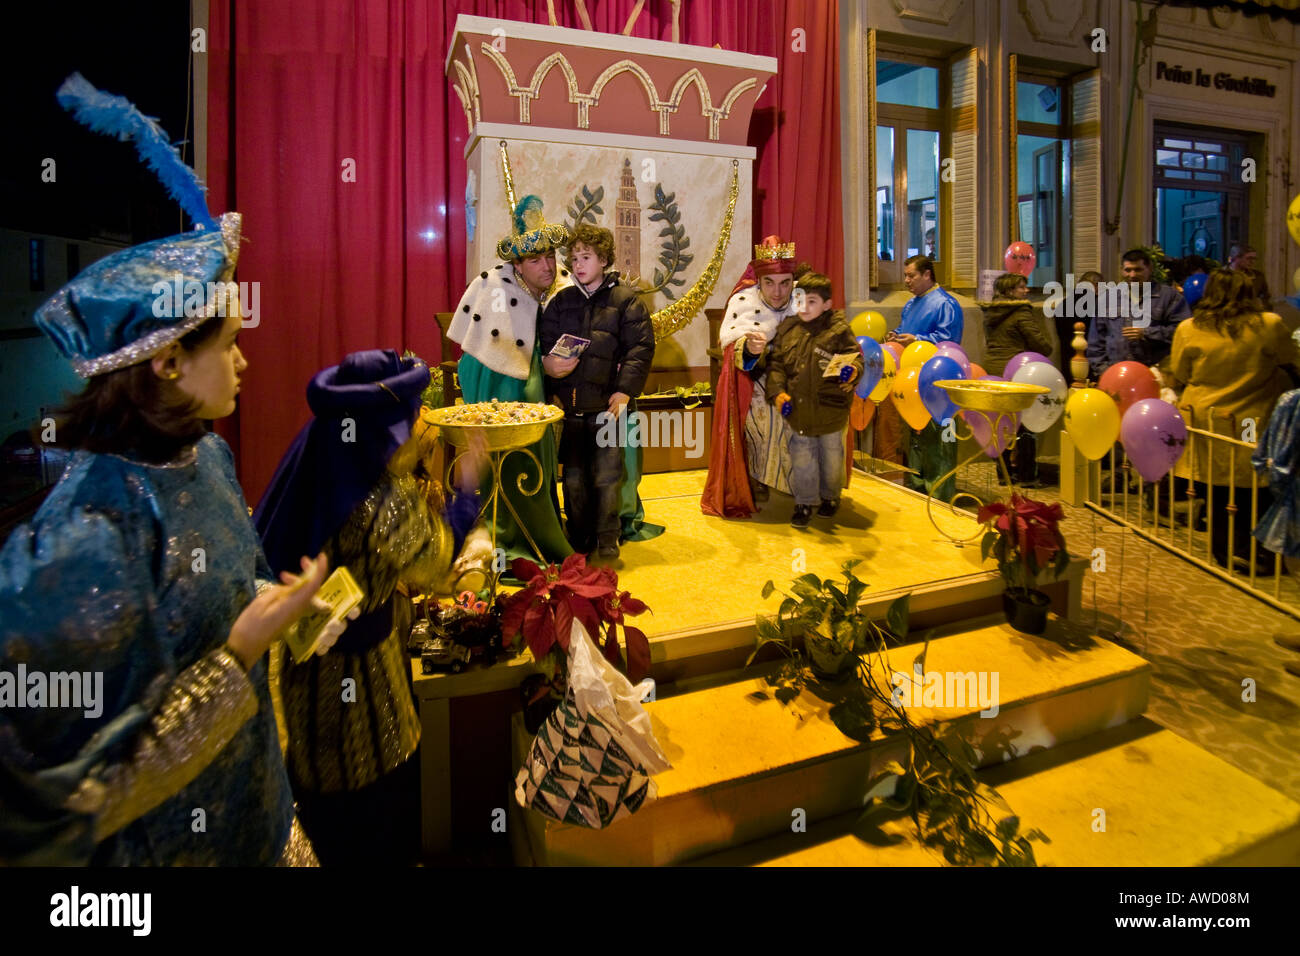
(137, 50)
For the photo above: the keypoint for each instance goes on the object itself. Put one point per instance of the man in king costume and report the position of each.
(496, 324)
(751, 441)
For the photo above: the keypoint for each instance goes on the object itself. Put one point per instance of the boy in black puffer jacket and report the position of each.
(595, 385)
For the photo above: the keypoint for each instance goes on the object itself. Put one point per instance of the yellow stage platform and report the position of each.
(702, 580)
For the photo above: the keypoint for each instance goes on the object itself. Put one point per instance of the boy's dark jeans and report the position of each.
(592, 480)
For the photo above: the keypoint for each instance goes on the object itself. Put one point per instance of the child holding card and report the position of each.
(815, 361)
(594, 384)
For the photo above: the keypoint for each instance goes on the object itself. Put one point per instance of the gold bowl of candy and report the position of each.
(503, 425)
(982, 396)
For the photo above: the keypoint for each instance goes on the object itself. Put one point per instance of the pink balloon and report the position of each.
(1020, 258)
(954, 352)
(1022, 358)
(1008, 425)
(1154, 436)
(896, 348)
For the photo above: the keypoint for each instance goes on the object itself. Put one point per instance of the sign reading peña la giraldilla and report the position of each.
(1222, 80)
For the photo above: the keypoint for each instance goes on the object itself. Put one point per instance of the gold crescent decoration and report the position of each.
(675, 317)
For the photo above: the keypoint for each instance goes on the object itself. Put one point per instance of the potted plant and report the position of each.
(542, 615)
(834, 630)
(1025, 538)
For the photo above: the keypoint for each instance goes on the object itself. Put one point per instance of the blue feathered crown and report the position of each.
(117, 116)
(112, 315)
(530, 233)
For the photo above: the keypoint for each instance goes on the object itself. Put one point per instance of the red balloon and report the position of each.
(976, 372)
(1128, 382)
(1020, 258)
(897, 349)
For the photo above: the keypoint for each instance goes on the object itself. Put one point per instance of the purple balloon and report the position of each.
(954, 351)
(1013, 365)
(982, 429)
(1154, 436)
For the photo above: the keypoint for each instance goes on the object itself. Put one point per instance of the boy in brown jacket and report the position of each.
(816, 406)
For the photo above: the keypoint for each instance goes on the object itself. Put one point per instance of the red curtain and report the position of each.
(333, 130)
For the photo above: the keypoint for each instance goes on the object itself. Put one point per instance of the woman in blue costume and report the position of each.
(141, 581)
(496, 325)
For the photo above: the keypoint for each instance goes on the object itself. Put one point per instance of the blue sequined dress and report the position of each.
(137, 572)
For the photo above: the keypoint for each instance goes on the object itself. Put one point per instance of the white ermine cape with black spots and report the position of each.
(496, 320)
(747, 312)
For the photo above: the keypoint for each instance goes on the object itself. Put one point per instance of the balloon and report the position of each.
(1020, 258)
(870, 324)
(861, 412)
(1293, 218)
(955, 351)
(1019, 359)
(1128, 382)
(1092, 422)
(1154, 436)
(918, 353)
(977, 372)
(908, 400)
(895, 349)
(1042, 415)
(981, 427)
(1194, 287)
(874, 358)
(886, 383)
(936, 400)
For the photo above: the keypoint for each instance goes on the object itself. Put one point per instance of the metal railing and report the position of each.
(1169, 512)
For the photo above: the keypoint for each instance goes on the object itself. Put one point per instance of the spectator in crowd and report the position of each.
(1012, 326)
(1232, 357)
(1144, 329)
(1242, 256)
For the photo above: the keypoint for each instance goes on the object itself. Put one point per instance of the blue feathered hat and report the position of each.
(125, 308)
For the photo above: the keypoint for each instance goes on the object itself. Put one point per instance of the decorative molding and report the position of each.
(585, 101)
(928, 11)
(551, 134)
(1047, 22)
(467, 25)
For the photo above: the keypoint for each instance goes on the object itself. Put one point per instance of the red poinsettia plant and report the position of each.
(553, 597)
(1024, 536)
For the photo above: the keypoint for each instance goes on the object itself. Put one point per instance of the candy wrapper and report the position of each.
(591, 762)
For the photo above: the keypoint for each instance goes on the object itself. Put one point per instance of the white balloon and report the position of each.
(1042, 415)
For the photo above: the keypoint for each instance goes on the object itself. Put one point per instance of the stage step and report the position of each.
(1166, 802)
(744, 764)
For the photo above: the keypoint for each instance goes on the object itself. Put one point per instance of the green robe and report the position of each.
(540, 512)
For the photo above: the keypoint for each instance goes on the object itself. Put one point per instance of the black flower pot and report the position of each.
(1026, 609)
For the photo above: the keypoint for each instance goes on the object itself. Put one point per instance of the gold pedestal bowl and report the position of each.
(500, 437)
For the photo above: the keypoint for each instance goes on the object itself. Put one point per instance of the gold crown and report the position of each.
(783, 251)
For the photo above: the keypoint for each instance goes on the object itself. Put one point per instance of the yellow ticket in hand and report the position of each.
(342, 593)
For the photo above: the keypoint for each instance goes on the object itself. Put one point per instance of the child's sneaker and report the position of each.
(829, 507)
(801, 517)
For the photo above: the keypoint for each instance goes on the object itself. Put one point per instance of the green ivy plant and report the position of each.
(937, 785)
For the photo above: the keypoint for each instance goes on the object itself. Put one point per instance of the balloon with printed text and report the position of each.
(1020, 258)
(1092, 421)
(1042, 415)
(1154, 436)
(907, 398)
(1128, 382)
(873, 358)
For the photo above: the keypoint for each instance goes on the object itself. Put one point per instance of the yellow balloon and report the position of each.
(908, 399)
(886, 384)
(918, 353)
(1293, 218)
(870, 324)
(1092, 421)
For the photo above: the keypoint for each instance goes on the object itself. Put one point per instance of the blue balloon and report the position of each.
(874, 358)
(1194, 287)
(940, 368)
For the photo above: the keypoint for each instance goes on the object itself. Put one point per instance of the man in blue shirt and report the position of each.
(933, 316)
